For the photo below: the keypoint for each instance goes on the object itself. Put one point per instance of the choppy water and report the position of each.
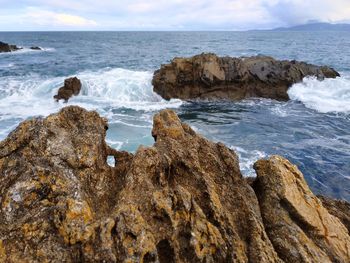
(312, 130)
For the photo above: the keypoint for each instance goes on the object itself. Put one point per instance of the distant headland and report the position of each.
(316, 27)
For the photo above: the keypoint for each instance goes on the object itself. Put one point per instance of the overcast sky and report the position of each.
(23, 15)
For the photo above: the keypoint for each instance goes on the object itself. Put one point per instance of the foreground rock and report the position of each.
(72, 86)
(4, 47)
(182, 200)
(208, 76)
(300, 228)
(338, 208)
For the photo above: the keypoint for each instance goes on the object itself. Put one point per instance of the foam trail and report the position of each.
(329, 95)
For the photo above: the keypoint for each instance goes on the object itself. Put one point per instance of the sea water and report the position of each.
(312, 129)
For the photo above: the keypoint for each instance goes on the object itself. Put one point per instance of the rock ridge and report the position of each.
(183, 199)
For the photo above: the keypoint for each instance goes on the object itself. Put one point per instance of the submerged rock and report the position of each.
(4, 47)
(208, 76)
(72, 86)
(181, 200)
(35, 48)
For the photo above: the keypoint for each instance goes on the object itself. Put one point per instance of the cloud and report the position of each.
(169, 14)
(49, 18)
(292, 12)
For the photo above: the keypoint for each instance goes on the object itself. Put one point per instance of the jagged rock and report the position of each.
(208, 76)
(4, 47)
(181, 200)
(300, 228)
(72, 86)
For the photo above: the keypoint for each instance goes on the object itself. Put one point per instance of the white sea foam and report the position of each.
(247, 159)
(123, 88)
(32, 95)
(329, 95)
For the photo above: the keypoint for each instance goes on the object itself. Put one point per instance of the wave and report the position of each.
(329, 95)
(123, 88)
(32, 95)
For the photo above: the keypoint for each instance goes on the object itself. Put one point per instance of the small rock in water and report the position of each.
(35, 48)
(4, 47)
(72, 86)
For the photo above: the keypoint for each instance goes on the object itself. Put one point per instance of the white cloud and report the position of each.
(171, 14)
(49, 18)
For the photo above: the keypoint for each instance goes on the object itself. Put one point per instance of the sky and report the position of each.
(47, 15)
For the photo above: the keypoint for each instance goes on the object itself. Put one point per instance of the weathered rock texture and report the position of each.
(72, 86)
(300, 228)
(208, 76)
(182, 200)
(338, 208)
(4, 47)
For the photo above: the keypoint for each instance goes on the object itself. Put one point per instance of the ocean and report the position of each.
(312, 130)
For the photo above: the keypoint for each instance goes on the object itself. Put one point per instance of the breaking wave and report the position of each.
(329, 95)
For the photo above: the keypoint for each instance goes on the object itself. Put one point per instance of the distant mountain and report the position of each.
(316, 27)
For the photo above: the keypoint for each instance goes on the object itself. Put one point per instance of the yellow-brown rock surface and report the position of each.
(299, 226)
(181, 200)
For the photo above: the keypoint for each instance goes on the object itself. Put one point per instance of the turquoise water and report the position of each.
(116, 68)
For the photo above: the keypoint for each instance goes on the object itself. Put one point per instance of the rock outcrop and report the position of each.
(72, 86)
(4, 47)
(208, 76)
(181, 200)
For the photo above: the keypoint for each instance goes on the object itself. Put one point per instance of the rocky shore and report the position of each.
(181, 200)
(208, 76)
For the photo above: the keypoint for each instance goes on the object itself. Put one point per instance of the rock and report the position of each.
(338, 208)
(300, 228)
(35, 48)
(181, 200)
(72, 86)
(208, 76)
(4, 47)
